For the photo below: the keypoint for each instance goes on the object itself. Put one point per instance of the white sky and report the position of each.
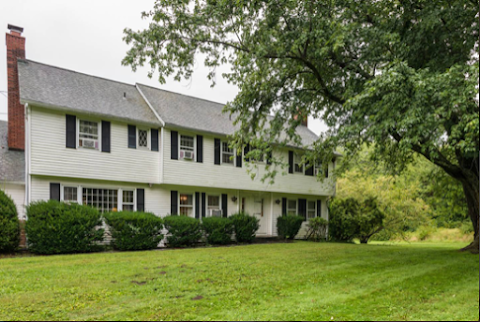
(86, 36)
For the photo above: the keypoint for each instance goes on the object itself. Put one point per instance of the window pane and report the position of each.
(298, 166)
(186, 211)
(127, 196)
(186, 199)
(104, 200)
(142, 138)
(186, 143)
(227, 153)
(213, 202)
(70, 194)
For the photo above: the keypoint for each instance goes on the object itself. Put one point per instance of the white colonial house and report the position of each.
(116, 146)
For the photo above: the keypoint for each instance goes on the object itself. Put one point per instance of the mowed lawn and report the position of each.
(293, 281)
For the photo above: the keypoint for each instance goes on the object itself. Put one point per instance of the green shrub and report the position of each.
(59, 228)
(218, 230)
(466, 228)
(317, 229)
(245, 227)
(134, 230)
(288, 226)
(183, 231)
(351, 219)
(9, 224)
(425, 231)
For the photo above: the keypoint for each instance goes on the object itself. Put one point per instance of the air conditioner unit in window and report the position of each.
(215, 212)
(91, 144)
(188, 155)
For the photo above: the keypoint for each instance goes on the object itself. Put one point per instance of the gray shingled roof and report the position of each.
(66, 89)
(178, 110)
(12, 163)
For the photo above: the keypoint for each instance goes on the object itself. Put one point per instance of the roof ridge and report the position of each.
(74, 71)
(176, 93)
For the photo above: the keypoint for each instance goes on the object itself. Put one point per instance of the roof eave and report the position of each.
(69, 109)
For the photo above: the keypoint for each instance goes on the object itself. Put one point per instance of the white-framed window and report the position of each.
(227, 154)
(291, 207)
(258, 207)
(88, 134)
(311, 209)
(128, 200)
(70, 194)
(187, 147)
(186, 205)
(105, 200)
(214, 206)
(142, 138)
(297, 163)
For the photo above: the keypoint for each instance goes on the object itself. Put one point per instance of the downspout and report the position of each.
(27, 156)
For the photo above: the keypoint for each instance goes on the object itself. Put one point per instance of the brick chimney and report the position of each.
(304, 120)
(16, 112)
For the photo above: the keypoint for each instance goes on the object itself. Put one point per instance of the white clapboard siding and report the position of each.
(207, 174)
(17, 193)
(50, 157)
(157, 198)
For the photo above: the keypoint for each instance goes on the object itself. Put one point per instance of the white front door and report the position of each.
(256, 206)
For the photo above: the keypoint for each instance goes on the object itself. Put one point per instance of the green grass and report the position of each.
(297, 281)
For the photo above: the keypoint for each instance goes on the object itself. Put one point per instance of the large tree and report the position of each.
(401, 74)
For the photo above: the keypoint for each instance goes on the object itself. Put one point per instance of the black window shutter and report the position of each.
(71, 132)
(140, 199)
(284, 206)
(154, 134)
(245, 151)
(269, 157)
(225, 205)
(55, 191)
(199, 148)
(217, 151)
(319, 208)
(302, 208)
(174, 203)
(204, 205)
(174, 145)
(132, 137)
(308, 170)
(239, 160)
(105, 136)
(290, 161)
(326, 172)
(197, 205)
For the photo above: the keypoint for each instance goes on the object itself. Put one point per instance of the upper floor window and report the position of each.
(187, 147)
(311, 209)
(298, 166)
(143, 139)
(227, 154)
(88, 134)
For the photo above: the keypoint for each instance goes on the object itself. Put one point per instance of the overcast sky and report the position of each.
(86, 36)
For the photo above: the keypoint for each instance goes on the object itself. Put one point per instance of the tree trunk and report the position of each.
(471, 191)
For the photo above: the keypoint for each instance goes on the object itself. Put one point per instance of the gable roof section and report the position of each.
(59, 88)
(12, 163)
(187, 112)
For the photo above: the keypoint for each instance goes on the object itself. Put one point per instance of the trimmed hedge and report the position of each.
(183, 231)
(218, 230)
(9, 224)
(245, 227)
(289, 226)
(134, 230)
(58, 228)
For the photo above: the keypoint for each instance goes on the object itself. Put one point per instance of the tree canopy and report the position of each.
(402, 74)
